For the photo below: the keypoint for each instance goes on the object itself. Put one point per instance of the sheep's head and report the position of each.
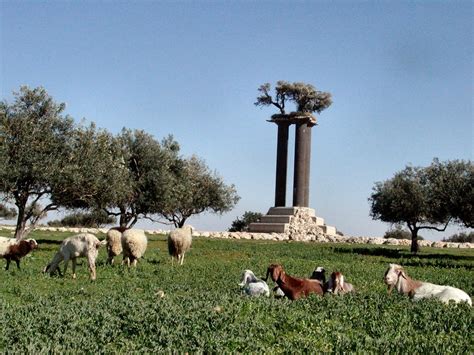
(274, 270)
(32, 243)
(393, 273)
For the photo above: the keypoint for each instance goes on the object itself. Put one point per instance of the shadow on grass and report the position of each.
(397, 253)
(48, 241)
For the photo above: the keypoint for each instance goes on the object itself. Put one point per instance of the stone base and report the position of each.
(297, 222)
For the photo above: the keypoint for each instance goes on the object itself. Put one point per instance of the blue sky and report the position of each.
(401, 76)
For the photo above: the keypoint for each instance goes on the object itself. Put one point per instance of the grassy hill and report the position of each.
(203, 310)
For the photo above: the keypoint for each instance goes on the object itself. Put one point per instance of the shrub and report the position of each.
(462, 237)
(7, 212)
(399, 233)
(242, 224)
(80, 219)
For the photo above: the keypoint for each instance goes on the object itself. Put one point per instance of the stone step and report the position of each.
(268, 227)
(330, 230)
(275, 219)
(288, 211)
(319, 221)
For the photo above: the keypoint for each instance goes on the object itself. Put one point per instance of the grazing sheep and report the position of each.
(80, 245)
(395, 276)
(337, 285)
(292, 287)
(134, 243)
(114, 243)
(12, 249)
(253, 286)
(179, 242)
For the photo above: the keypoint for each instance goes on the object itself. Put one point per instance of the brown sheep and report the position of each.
(12, 249)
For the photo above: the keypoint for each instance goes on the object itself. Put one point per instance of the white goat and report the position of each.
(253, 286)
(80, 245)
(396, 277)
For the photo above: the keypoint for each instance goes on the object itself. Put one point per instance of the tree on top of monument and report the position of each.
(305, 96)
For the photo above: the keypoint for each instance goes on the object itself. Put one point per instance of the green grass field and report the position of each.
(203, 310)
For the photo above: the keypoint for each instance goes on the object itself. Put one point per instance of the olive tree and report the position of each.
(195, 189)
(7, 212)
(452, 185)
(140, 183)
(45, 157)
(305, 96)
(425, 198)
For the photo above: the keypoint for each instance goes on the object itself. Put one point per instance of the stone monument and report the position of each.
(298, 220)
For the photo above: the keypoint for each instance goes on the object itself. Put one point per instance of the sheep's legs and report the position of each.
(66, 261)
(18, 264)
(91, 263)
(8, 264)
(74, 268)
(182, 258)
(110, 260)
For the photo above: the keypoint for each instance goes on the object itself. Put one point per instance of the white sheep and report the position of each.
(179, 242)
(395, 276)
(114, 243)
(80, 245)
(253, 286)
(134, 243)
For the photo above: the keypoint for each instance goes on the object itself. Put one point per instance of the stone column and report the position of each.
(307, 165)
(299, 173)
(281, 164)
(302, 163)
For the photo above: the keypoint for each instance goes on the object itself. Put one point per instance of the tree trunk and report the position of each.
(414, 240)
(20, 230)
(181, 222)
(124, 218)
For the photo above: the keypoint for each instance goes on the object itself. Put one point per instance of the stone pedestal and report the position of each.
(297, 222)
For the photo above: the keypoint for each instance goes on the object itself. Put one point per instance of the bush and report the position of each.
(399, 233)
(460, 238)
(7, 212)
(94, 219)
(242, 224)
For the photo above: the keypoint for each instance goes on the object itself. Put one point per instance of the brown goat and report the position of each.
(292, 287)
(18, 250)
(337, 284)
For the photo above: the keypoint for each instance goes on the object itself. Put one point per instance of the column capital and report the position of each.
(294, 118)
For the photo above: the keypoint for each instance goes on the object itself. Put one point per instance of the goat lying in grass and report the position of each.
(337, 285)
(253, 286)
(396, 277)
(292, 287)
